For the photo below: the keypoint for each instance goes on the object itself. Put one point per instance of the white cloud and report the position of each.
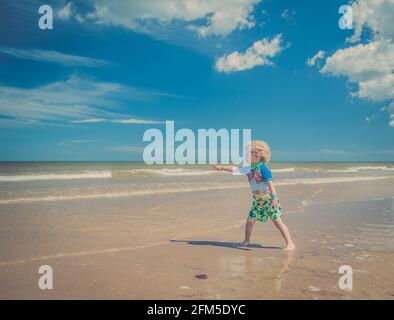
(74, 100)
(376, 15)
(257, 55)
(206, 17)
(65, 13)
(54, 56)
(362, 62)
(368, 65)
(312, 61)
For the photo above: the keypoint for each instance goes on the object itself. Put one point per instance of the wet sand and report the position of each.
(148, 247)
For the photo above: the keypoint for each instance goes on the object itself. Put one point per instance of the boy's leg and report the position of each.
(248, 231)
(285, 233)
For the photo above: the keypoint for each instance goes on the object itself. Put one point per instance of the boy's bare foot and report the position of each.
(290, 247)
(244, 244)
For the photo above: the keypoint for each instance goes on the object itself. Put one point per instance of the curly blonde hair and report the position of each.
(261, 148)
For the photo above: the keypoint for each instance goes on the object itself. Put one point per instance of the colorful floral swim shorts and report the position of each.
(261, 209)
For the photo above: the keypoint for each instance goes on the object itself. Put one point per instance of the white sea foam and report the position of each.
(163, 172)
(383, 168)
(105, 174)
(121, 194)
(343, 170)
(284, 170)
(57, 176)
(330, 180)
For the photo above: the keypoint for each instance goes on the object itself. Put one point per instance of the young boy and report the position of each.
(265, 203)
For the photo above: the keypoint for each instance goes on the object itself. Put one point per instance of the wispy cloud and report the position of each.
(67, 143)
(135, 121)
(54, 57)
(205, 17)
(65, 13)
(122, 121)
(202, 25)
(91, 120)
(288, 14)
(75, 100)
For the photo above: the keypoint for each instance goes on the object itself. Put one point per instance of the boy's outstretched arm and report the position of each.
(217, 167)
(274, 199)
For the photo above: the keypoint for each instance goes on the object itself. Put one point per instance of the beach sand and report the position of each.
(152, 247)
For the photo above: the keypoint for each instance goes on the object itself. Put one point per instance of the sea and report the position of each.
(24, 182)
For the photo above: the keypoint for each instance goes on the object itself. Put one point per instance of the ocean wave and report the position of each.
(165, 172)
(330, 180)
(161, 172)
(383, 168)
(284, 170)
(105, 174)
(128, 193)
(343, 170)
(57, 176)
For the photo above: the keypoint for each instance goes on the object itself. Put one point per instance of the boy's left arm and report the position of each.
(274, 199)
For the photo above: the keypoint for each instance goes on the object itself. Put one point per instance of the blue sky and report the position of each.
(91, 86)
